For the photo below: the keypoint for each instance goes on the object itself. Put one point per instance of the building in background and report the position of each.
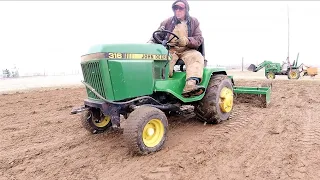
(10, 73)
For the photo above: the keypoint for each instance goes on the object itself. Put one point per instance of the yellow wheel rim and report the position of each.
(153, 133)
(102, 123)
(270, 76)
(226, 100)
(293, 74)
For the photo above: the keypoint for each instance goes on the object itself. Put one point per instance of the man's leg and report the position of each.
(194, 62)
(172, 63)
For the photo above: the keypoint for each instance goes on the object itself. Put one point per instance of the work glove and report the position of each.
(181, 31)
(182, 41)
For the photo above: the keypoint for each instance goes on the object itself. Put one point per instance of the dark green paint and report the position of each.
(98, 77)
(131, 78)
(176, 84)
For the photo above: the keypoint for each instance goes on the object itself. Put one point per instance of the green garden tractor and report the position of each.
(133, 80)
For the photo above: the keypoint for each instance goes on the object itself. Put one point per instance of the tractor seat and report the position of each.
(180, 63)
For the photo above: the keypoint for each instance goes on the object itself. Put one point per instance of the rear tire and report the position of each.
(209, 109)
(146, 130)
(294, 74)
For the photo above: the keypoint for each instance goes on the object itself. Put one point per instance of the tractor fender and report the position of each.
(224, 73)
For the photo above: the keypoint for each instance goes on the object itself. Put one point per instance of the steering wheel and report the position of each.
(164, 42)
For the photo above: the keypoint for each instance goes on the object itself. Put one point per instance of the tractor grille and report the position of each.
(92, 75)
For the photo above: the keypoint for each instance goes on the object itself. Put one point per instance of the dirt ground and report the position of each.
(41, 140)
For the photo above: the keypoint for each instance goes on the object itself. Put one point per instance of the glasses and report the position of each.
(177, 7)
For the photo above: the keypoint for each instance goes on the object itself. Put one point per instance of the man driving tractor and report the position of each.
(185, 48)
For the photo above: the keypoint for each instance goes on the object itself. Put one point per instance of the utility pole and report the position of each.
(288, 33)
(242, 63)
(288, 39)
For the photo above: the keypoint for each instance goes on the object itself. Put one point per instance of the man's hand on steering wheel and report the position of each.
(164, 42)
(182, 42)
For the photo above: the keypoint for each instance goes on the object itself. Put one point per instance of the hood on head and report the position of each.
(185, 3)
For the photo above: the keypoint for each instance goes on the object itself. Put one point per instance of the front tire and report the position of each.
(217, 104)
(270, 75)
(146, 130)
(95, 122)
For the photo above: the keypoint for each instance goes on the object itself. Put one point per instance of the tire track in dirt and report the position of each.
(308, 143)
(310, 134)
(287, 126)
(217, 140)
(236, 146)
(310, 126)
(268, 151)
(299, 130)
(237, 121)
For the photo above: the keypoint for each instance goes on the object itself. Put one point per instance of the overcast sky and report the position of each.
(51, 36)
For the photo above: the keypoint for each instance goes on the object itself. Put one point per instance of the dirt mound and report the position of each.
(251, 99)
(41, 140)
(254, 100)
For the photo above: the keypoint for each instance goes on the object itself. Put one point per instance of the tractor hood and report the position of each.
(128, 48)
(122, 71)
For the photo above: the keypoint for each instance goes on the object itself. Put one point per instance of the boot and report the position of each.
(171, 73)
(192, 89)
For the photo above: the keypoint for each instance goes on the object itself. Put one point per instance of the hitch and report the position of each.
(76, 110)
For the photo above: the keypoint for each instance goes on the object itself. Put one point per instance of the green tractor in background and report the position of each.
(272, 69)
(132, 80)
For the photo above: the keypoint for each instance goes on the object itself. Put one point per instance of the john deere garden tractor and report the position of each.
(133, 80)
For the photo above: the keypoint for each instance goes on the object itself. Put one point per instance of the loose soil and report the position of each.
(41, 140)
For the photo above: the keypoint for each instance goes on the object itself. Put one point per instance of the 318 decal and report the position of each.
(114, 55)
